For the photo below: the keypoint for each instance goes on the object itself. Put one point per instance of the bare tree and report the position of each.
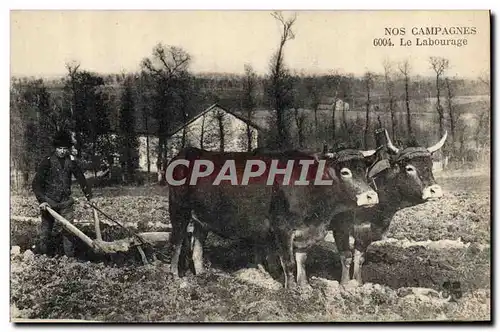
(144, 95)
(485, 79)
(300, 117)
(439, 65)
(72, 68)
(249, 103)
(389, 86)
(220, 118)
(348, 95)
(405, 69)
(368, 83)
(451, 107)
(280, 85)
(334, 83)
(166, 64)
(315, 100)
(300, 93)
(483, 128)
(482, 132)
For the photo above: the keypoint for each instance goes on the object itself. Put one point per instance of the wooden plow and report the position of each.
(106, 247)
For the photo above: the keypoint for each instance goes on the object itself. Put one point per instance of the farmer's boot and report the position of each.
(69, 247)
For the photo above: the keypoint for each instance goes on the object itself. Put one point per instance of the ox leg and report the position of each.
(365, 235)
(259, 262)
(285, 252)
(342, 242)
(180, 220)
(363, 238)
(199, 237)
(186, 253)
(300, 258)
(359, 259)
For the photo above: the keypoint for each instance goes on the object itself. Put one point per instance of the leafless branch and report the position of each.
(404, 67)
(439, 64)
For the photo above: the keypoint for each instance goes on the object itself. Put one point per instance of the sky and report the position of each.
(224, 41)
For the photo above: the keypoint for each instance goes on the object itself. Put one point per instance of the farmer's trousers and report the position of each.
(50, 229)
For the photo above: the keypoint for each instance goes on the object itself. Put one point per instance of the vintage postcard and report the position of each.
(250, 166)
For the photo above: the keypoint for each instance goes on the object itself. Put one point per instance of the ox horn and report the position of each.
(390, 146)
(439, 144)
(368, 153)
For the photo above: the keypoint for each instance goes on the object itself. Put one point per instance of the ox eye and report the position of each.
(345, 172)
(410, 169)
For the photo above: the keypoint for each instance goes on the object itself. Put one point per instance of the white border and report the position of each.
(186, 4)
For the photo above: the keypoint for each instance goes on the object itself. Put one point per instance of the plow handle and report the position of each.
(71, 228)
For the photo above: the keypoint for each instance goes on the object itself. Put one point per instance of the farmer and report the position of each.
(52, 188)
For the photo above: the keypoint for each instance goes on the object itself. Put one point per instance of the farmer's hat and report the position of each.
(62, 139)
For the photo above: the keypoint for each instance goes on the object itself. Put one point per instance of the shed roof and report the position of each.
(179, 128)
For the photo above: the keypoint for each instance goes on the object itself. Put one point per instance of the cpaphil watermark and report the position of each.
(295, 172)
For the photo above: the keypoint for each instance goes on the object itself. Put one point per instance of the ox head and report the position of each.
(412, 167)
(348, 167)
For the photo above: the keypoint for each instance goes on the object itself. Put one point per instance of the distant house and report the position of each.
(328, 103)
(214, 129)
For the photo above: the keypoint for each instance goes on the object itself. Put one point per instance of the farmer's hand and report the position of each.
(44, 206)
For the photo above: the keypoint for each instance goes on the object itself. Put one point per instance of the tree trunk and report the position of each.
(407, 101)
(334, 125)
(439, 107)
(393, 116)
(249, 138)
(221, 132)
(299, 124)
(316, 122)
(146, 127)
(79, 144)
(367, 120)
(344, 119)
(159, 161)
(183, 139)
(148, 160)
(282, 136)
(450, 111)
(94, 148)
(281, 129)
(202, 135)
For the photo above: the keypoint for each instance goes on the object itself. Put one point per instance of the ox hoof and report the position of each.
(350, 284)
(261, 269)
(291, 285)
(305, 287)
(199, 272)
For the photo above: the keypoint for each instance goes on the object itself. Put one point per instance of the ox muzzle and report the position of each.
(367, 199)
(432, 192)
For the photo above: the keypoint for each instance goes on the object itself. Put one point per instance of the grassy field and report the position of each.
(446, 240)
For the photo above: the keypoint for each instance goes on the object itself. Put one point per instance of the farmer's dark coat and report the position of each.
(52, 182)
